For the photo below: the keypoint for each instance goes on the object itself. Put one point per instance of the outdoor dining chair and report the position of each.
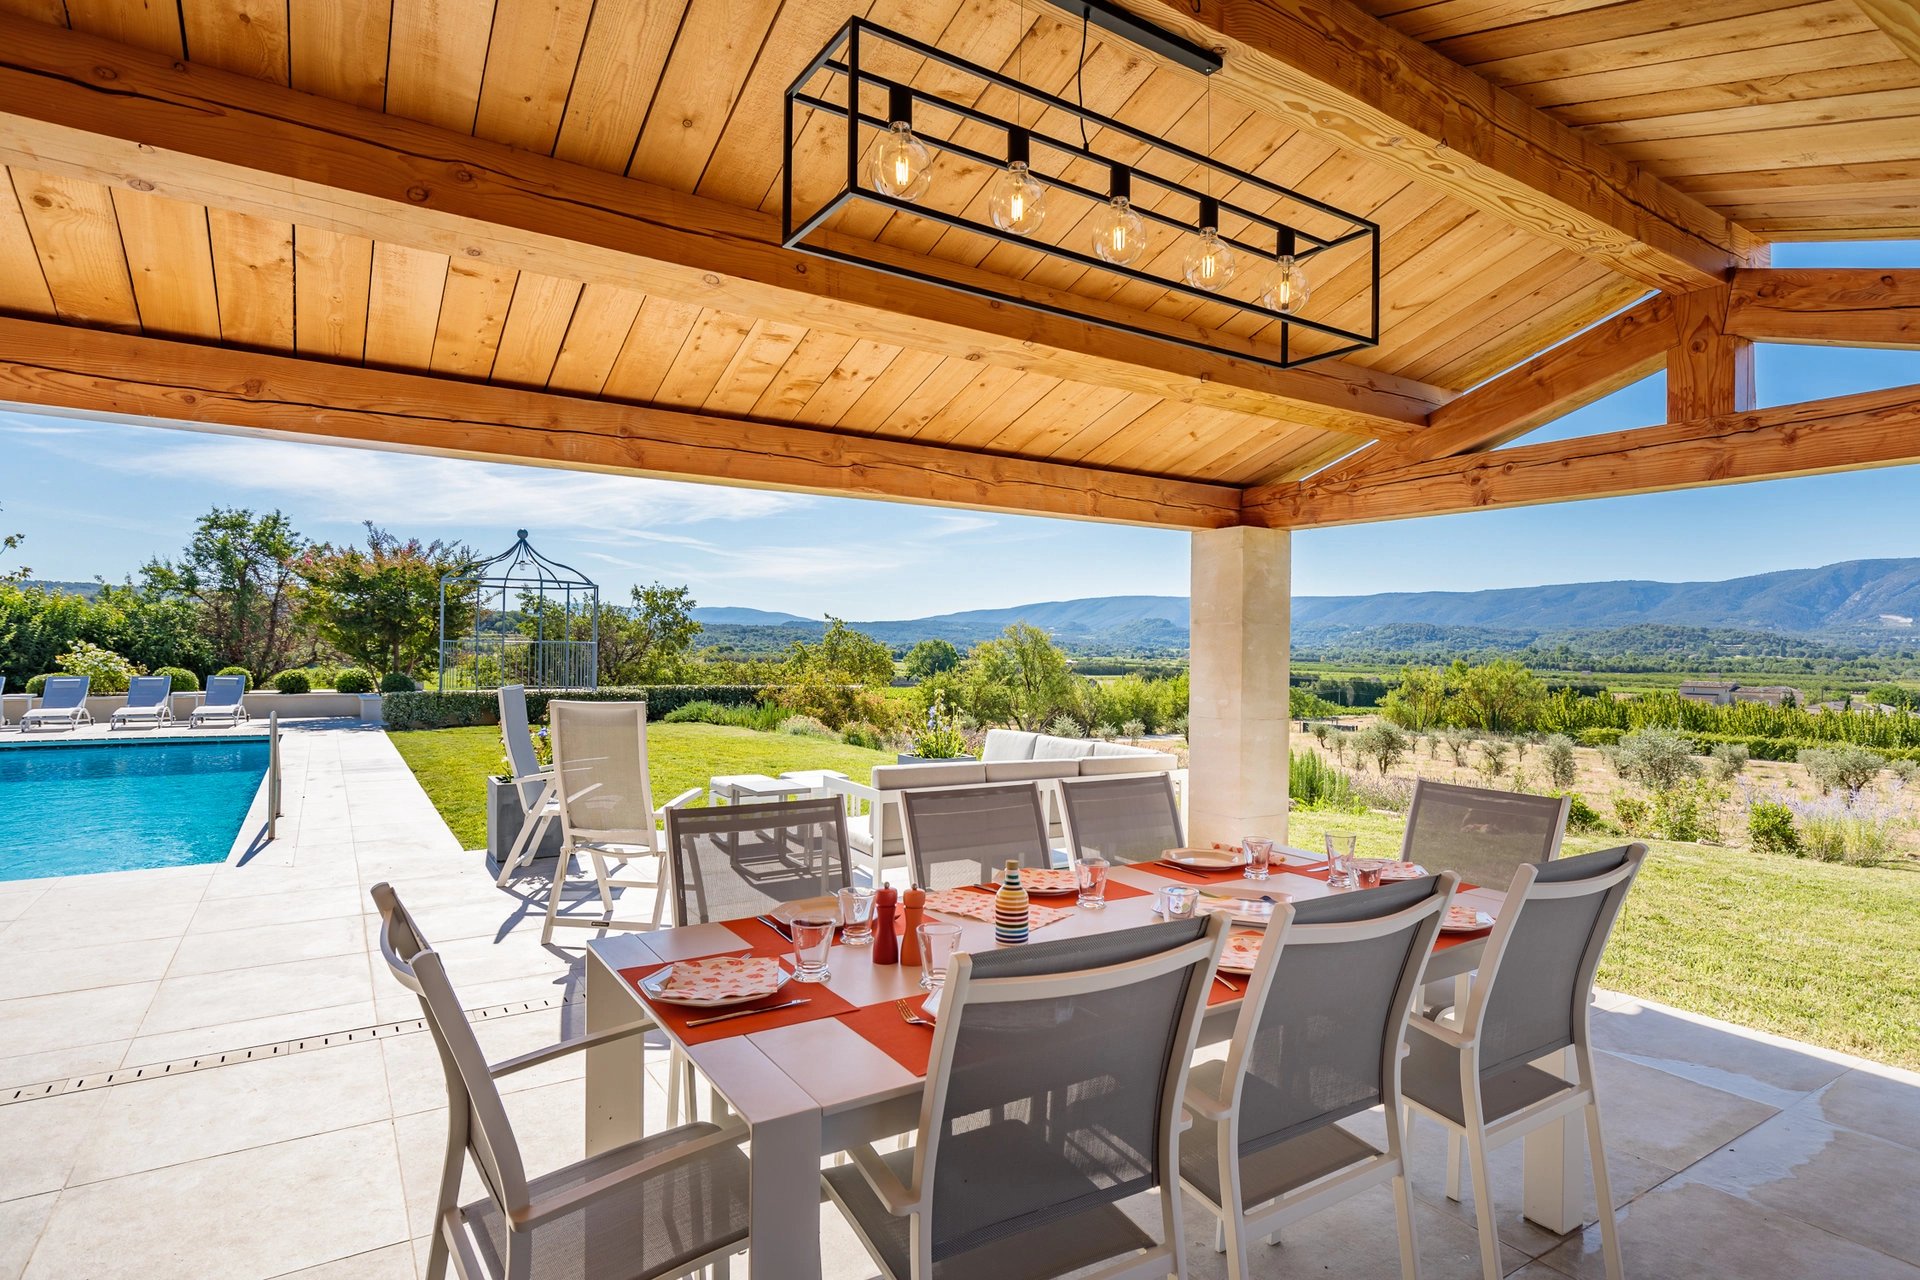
(1128, 817)
(662, 1206)
(606, 805)
(63, 701)
(738, 860)
(149, 701)
(1053, 1092)
(1317, 1041)
(532, 781)
(1531, 997)
(965, 835)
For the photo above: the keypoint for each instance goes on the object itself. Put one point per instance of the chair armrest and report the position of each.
(543, 774)
(678, 802)
(1203, 1104)
(1446, 1035)
(852, 790)
(885, 1183)
(565, 1047)
(560, 1203)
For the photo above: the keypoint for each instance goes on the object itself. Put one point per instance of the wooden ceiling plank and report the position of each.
(1452, 18)
(77, 239)
(1897, 224)
(338, 49)
(1772, 89)
(1395, 100)
(436, 60)
(754, 367)
(1656, 46)
(332, 284)
(538, 320)
(403, 306)
(49, 11)
(153, 25)
(621, 59)
(949, 379)
(1899, 20)
(1846, 307)
(703, 358)
(1099, 435)
(651, 348)
(253, 267)
(248, 37)
(202, 134)
(716, 47)
(1709, 69)
(1593, 26)
(1845, 433)
(170, 262)
(601, 323)
(247, 393)
(531, 56)
(473, 313)
(1064, 411)
(1881, 105)
(996, 413)
(812, 363)
(865, 363)
(1860, 141)
(1480, 353)
(23, 285)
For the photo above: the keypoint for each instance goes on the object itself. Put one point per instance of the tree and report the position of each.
(8, 543)
(150, 629)
(649, 642)
(831, 679)
(1382, 742)
(381, 606)
(1019, 678)
(1558, 750)
(1847, 768)
(1658, 759)
(239, 568)
(1499, 696)
(1419, 701)
(930, 657)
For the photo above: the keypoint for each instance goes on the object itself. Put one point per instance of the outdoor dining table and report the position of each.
(813, 1081)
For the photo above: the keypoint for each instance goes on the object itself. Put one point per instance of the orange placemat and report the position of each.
(881, 1026)
(820, 998)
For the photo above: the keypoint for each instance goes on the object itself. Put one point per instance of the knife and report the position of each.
(745, 1013)
(776, 926)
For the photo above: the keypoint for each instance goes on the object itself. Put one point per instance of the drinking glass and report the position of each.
(1366, 872)
(1178, 900)
(938, 941)
(1340, 860)
(1259, 857)
(856, 916)
(1091, 877)
(812, 939)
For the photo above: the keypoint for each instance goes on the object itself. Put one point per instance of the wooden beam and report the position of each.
(1594, 363)
(84, 107)
(1709, 371)
(1845, 433)
(1353, 79)
(218, 389)
(1842, 307)
(1900, 19)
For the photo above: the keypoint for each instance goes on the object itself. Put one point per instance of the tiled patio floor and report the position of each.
(1734, 1154)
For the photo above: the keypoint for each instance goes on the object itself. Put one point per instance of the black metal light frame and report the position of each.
(842, 59)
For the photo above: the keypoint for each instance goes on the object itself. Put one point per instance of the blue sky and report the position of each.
(97, 499)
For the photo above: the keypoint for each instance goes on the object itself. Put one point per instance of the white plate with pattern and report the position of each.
(716, 981)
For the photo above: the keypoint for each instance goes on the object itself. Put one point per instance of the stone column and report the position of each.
(1237, 715)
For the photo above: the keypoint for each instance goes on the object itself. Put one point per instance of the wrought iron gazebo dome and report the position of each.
(535, 621)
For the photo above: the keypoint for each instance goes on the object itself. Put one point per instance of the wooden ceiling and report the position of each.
(684, 97)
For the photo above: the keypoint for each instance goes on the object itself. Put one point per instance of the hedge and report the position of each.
(1788, 749)
(430, 709)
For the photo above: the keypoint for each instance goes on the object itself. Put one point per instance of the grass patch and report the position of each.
(453, 764)
(1813, 951)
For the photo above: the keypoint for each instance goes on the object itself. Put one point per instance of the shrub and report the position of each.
(1907, 771)
(863, 735)
(1457, 742)
(1556, 751)
(808, 727)
(1312, 783)
(1848, 768)
(184, 681)
(940, 738)
(400, 682)
(1493, 758)
(36, 685)
(1600, 737)
(1177, 725)
(1065, 726)
(431, 709)
(1392, 794)
(353, 680)
(108, 671)
(1632, 813)
(1382, 742)
(1134, 729)
(1320, 732)
(1583, 818)
(242, 672)
(1658, 759)
(1770, 828)
(1729, 759)
(293, 682)
(322, 677)
(1835, 830)
(1676, 812)
(702, 712)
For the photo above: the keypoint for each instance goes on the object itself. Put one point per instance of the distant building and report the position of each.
(1715, 693)
(1724, 693)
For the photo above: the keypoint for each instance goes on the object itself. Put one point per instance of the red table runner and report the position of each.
(760, 940)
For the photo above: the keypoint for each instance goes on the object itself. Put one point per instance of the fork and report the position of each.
(908, 1016)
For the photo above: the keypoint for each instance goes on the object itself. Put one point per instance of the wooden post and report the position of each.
(1708, 372)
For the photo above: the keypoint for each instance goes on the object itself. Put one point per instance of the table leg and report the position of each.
(1553, 1156)
(616, 1073)
(785, 1124)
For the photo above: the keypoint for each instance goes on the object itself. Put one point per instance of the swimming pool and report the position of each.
(69, 809)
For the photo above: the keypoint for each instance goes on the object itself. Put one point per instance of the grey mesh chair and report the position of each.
(661, 1206)
(1129, 817)
(532, 781)
(740, 860)
(226, 699)
(963, 835)
(1481, 835)
(1317, 1040)
(1531, 997)
(606, 805)
(149, 701)
(1053, 1092)
(63, 700)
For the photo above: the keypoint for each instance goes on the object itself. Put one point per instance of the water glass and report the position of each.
(1340, 861)
(1091, 876)
(1366, 872)
(1259, 857)
(856, 916)
(1177, 901)
(938, 941)
(812, 939)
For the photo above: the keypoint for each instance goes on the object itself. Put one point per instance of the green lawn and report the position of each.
(1817, 952)
(452, 764)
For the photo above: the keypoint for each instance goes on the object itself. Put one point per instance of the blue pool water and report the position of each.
(67, 810)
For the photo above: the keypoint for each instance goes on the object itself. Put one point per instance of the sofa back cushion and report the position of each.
(901, 777)
(1136, 761)
(1120, 749)
(1048, 747)
(1031, 770)
(1008, 744)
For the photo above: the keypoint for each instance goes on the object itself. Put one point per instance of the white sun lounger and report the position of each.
(62, 702)
(149, 701)
(225, 701)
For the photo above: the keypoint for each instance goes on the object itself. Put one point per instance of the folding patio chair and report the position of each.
(739, 860)
(1531, 997)
(63, 701)
(532, 781)
(664, 1205)
(1052, 1093)
(1317, 1040)
(149, 701)
(1128, 817)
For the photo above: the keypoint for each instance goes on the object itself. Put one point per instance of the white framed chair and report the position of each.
(738, 860)
(226, 700)
(1317, 1040)
(606, 806)
(665, 1205)
(149, 701)
(964, 835)
(1052, 1093)
(62, 702)
(1123, 817)
(1532, 996)
(532, 781)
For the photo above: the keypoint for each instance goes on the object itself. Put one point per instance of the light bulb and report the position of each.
(1018, 203)
(1119, 234)
(902, 165)
(1211, 261)
(1287, 287)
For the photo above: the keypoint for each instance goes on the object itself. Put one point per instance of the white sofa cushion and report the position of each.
(1008, 744)
(1030, 770)
(1048, 747)
(900, 777)
(1120, 749)
(1133, 762)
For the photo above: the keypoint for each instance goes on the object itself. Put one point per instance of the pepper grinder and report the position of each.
(886, 938)
(914, 910)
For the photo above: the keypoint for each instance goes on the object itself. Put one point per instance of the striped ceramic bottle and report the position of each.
(1011, 921)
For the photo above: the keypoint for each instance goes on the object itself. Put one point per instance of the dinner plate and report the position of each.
(1243, 951)
(1206, 859)
(1402, 871)
(1465, 920)
(816, 908)
(716, 982)
(1047, 882)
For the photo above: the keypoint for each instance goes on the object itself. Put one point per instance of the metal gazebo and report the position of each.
(535, 622)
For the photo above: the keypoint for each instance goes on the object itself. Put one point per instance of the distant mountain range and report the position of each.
(1873, 600)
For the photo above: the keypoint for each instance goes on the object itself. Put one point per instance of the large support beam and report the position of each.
(1845, 433)
(1709, 371)
(69, 369)
(1237, 717)
(1353, 79)
(77, 105)
(1831, 306)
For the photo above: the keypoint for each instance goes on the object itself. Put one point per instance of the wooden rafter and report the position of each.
(218, 389)
(1870, 429)
(1391, 98)
(1842, 307)
(75, 105)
